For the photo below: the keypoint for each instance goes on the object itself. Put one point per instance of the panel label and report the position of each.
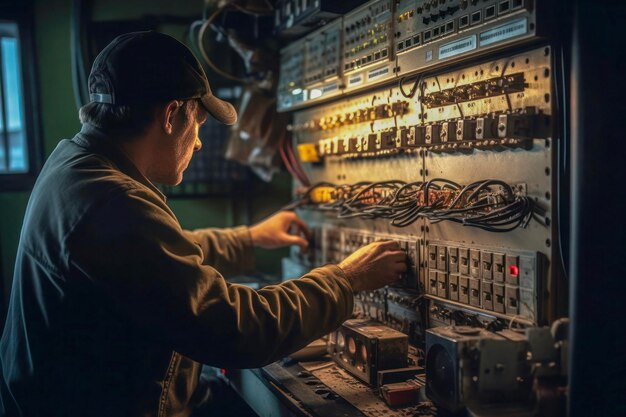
(355, 80)
(509, 30)
(457, 47)
(330, 87)
(377, 73)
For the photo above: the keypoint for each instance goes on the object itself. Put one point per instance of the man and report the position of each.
(114, 306)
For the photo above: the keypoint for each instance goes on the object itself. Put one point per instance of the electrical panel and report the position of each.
(441, 135)
(498, 105)
(385, 40)
(297, 17)
(431, 33)
(487, 121)
(499, 281)
(290, 88)
(367, 47)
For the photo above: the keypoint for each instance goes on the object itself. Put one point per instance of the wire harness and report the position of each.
(490, 204)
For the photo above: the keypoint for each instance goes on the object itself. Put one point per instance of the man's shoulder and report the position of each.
(74, 183)
(82, 176)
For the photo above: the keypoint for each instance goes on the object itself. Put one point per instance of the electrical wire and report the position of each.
(411, 93)
(508, 99)
(192, 34)
(291, 163)
(489, 204)
(296, 164)
(205, 55)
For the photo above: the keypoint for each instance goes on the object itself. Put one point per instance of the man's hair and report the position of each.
(125, 121)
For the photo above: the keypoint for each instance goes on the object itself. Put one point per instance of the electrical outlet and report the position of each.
(474, 298)
(432, 257)
(498, 298)
(487, 295)
(453, 287)
(432, 282)
(512, 300)
(498, 267)
(464, 290)
(475, 263)
(441, 258)
(487, 264)
(512, 270)
(442, 285)
(464, 261)
(453, 260)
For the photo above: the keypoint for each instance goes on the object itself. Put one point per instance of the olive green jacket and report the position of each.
(114, 306)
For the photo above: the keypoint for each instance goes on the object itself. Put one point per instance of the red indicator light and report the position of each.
(513, 270)
(223, 371)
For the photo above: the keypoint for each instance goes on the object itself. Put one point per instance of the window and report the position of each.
(19, 144)
(13, 153)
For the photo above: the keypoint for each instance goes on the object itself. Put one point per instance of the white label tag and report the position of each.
(457, 47)
(328, 88)
(510, 30)
(429, 55)
(355, 80)
(377, 73)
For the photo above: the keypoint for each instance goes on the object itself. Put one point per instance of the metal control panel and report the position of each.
(383, 40)
(449, 150)
(490, 121)
(431, 33)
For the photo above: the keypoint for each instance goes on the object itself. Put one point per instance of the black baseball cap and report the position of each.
(141, 67)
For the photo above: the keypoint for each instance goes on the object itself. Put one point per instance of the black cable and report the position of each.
(411, 94)
(494, 210)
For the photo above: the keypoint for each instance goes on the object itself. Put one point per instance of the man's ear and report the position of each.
(167, 116)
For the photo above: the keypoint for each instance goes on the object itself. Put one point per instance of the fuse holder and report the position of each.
(308, 152)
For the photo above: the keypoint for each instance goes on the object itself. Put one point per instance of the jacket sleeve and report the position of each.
(230, 251)
(134, 249)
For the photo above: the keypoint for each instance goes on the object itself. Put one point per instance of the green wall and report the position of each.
(57, 113)
(59, 120)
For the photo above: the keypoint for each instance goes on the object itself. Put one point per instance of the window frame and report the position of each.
(22, 16)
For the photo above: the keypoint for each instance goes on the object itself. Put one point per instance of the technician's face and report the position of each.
(186, 140)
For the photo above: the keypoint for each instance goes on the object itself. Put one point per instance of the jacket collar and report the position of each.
(99, 141)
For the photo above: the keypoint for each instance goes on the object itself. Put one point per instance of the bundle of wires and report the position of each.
(490, 204)
(288, 157)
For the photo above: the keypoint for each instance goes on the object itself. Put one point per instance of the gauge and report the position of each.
(363, 354)
(351, 346)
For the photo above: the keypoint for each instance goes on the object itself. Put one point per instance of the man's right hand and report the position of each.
(375, 265)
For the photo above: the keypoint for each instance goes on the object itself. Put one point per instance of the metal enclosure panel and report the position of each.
(476, 29)
(322, 62)
(368, 46)
(512, 167)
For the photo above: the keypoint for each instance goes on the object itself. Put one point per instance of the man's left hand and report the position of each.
(274, 232)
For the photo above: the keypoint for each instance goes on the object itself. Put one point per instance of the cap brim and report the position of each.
(219, 109)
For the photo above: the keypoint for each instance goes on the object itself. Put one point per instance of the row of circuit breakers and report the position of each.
(385, 40)
(492, 280)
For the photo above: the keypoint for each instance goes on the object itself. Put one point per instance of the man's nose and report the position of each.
(197, 145)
